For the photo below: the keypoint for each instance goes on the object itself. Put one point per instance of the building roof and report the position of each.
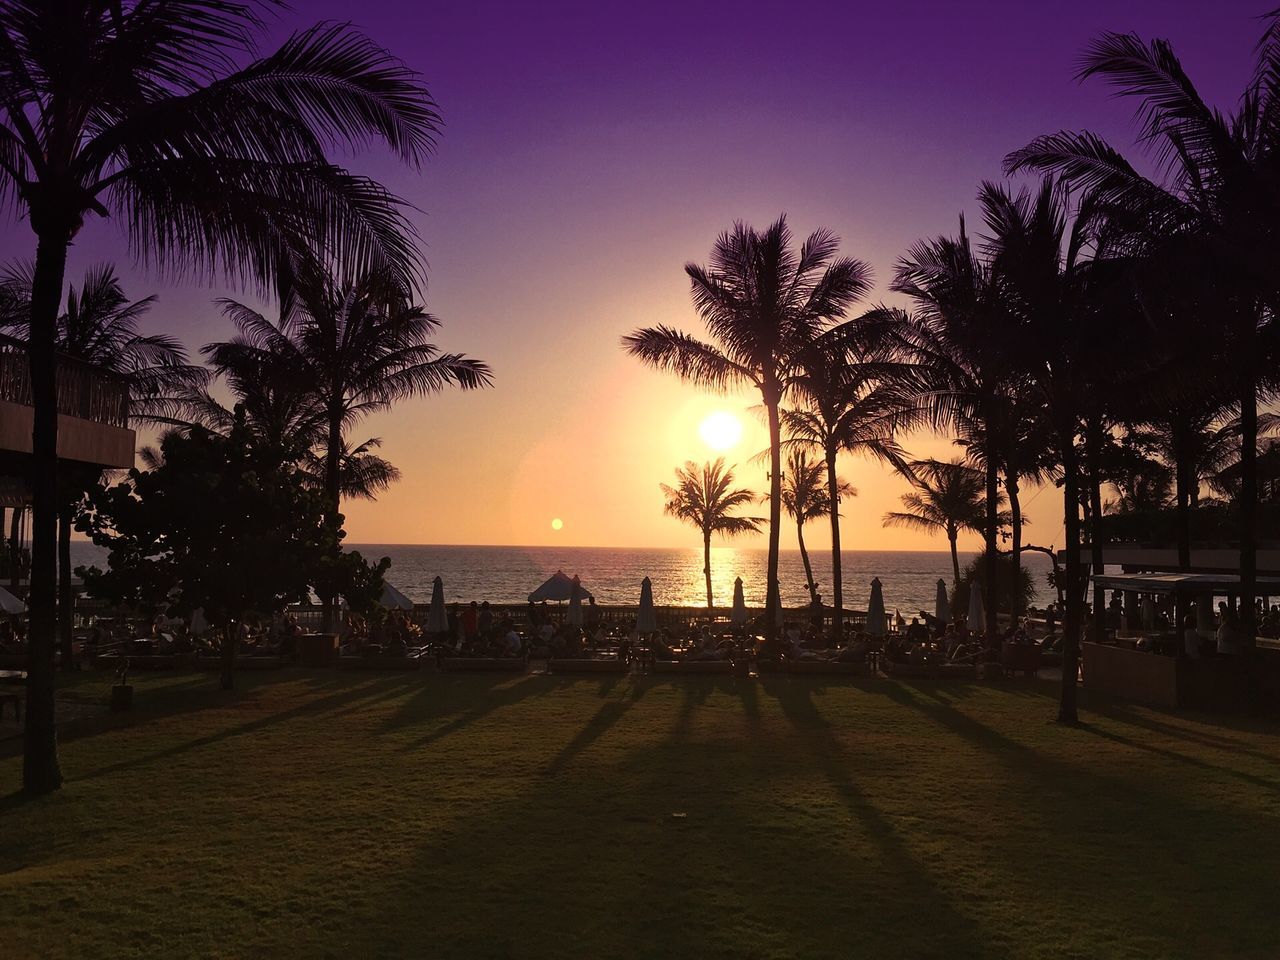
(1216, 583)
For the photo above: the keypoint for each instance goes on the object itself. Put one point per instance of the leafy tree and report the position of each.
(763, 303)
(704, 497)
(1016, 585)
(137, 110)
(219, 523)
(100, 326)
(353, 348)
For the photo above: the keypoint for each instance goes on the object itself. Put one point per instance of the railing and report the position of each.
(84, 391)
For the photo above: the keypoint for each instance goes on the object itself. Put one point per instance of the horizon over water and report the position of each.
(507, 574)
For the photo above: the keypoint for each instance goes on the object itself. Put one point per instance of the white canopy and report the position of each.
(739, 613)
(437, 618)
(977, 622)
(10, 604)
(558, 587)
(877, 622)
(393, 599)
(646, 619)
(941, 603)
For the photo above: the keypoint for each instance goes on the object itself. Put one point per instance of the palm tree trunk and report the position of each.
(40, 769)
(333, 503)
(1015, 547)
(952, 535)
(991, 533)
(1071, 615)
(1094, 442)
(837, 574)
(772, 598)
(66, 596)
(808, 567)
(1249, 505)
(1182, 504)
(706, 565)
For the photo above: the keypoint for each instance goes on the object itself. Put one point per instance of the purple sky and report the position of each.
(591, 149)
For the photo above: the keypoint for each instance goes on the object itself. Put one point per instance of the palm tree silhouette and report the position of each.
(704, 497)
(99, 326)
(958, 339)
(137, 111)
(1215, 192)
(762, 303)
(849, 399)
(805, 497)
(948, 499)
(355, 347)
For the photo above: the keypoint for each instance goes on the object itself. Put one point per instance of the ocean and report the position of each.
(613, 574)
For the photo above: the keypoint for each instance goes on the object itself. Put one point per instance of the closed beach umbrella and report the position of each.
(10, 604)
(393, 599)
(941, 603)
(646, 618)
(739, 614)
(199, 624)
(437, 617)
(877, 622)
(977, 613)
(574, 616)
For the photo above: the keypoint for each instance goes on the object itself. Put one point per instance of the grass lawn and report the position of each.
(345, 815)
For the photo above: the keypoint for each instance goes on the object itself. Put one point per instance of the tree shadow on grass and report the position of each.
(610, 712)
(493, 697)
(1189, 727)
(313, 705)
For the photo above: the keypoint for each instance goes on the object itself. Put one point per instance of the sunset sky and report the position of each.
(590, 150)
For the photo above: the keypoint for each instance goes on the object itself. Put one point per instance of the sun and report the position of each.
(720, 430)
(557, 524)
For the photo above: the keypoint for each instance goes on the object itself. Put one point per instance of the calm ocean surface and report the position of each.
(613, 574)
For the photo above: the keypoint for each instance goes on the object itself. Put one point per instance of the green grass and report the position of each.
(338, 815)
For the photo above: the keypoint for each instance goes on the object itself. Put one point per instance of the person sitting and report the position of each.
(855, 652)
(1228, 638)
(512, 642)
(917, 632)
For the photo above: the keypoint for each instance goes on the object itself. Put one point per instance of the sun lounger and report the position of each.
(693, 666)
(588, 666)
(828, 668)
(378, 663)
(243, 663)
(498, 664)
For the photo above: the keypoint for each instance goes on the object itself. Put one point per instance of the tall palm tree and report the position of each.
(958, 339)
(762, 303)
(849, 399)
(100, 326)
(948, 498)
(355, 347)
(1216, 190)
(704, 497)
(805, 497)
(137, 110)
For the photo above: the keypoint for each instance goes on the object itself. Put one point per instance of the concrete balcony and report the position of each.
(93, 412)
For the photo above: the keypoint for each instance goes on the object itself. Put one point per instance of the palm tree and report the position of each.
(763, 303)
(805, 497)
(1215, 191)
(849, 400)
(958, 339)
(136, 110)
(704, 497)
(948, 498)
(100, 327)
(354, 347)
